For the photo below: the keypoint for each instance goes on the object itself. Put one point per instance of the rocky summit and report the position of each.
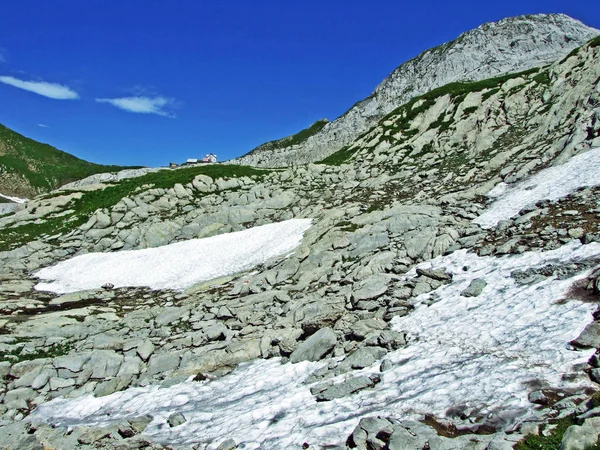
(510, 45)
(432, 284)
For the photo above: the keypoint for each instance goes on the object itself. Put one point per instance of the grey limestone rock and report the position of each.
(580, 437)
(228, 444)
(328, 392)
(176, 419)
(475, 288)
(510, 45)
(589, 337)
(315, 347)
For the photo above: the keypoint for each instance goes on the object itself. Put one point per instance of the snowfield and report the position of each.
(14, 199)
(548, 184)
(175, 266)
(480, 355)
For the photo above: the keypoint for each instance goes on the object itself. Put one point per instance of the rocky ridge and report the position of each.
(508, 46)
(403, 193)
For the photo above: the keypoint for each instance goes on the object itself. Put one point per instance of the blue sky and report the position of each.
(145, 82)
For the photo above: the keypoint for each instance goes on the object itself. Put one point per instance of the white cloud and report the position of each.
(142, 105)
(43, 125)
(50, 90)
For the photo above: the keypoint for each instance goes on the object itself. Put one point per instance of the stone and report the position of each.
(215, 331)
(363, 357)
(145, 350)
(391, 340)
(324, 393)
(362, 328)
(475, 288)
(435, 274)
(74, 362)
(589, 337)
(104, 363)
(371, 288)
(60, 383)
(418, 243)
(316, 347)
(372, 433)
(163, 362)
(581, 437)
(176, 419)
(19, 398)
(228, 444)
(538, 397)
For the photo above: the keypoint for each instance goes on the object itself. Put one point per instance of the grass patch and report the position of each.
(16, 355)
(340, 157)
(294, 139)
(347, 226)
(542, 78)
(550, 442)
(489, 93)
(91, 201)
(594, 42)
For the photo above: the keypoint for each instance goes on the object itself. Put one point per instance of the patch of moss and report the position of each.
(347, 226)
(340, 157)
(542, 78)
(489, 93)
(16, 355)
(551, 441)
(594, 42)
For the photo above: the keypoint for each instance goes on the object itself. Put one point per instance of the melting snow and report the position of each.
(483, 355)
(551, 183)
(14, 199)
(176, 266)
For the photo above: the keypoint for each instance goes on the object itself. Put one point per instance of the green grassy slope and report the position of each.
(28, 167)
(294, 139)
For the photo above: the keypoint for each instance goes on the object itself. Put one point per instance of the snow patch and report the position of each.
(551, 184)
(14, 199)
(175, 266)
(480, 355)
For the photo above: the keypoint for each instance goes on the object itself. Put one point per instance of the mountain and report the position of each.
(510, 45)
(435, 283)
(28, 168)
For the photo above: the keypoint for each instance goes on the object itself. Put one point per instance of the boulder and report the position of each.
(316, 347)
(371, 288)
(581, 437)
(475, 288)
(589, 337)
(176, 419)
(328, 392)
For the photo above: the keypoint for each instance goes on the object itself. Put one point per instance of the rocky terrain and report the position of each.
(443, 297)
(508, 46)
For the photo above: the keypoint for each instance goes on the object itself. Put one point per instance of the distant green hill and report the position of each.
(28, 167)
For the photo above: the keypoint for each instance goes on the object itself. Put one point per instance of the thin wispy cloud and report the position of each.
(50, 90)
(43, 125)
(143, 105)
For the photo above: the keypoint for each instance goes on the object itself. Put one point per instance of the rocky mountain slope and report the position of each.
(445, 295)
(29, 168)
(510, 45)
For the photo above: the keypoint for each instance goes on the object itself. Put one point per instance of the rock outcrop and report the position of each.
(508, 46)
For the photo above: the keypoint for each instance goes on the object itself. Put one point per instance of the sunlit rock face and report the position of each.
(510, 45)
